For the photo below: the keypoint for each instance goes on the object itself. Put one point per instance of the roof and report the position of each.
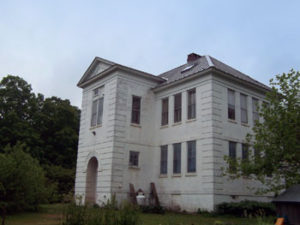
(292, 194)
(86, 79)
(203, 63)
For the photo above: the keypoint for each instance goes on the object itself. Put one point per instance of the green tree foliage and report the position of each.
(49, 128)
(275, 158)
(22, 181)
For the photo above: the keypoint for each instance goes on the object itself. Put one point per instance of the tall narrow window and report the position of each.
(255, 110)
(231, 104)
(191, 156)
(97, 107)
(192, 104)
(244, 110)
(164, 159)
(177, 158)
(136, 109)
(232, 155)
(177, 108)
(245, 152)
(165, 111)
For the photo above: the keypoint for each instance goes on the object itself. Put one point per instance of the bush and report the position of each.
(22, 181)
(85, 215)
(247, 208)
(152, 209)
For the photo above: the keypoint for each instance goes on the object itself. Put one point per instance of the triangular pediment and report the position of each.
(97, 66)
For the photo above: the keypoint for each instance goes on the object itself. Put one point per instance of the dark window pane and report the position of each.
(191, 157)
(165, 112)
(244, 110)
(136, 107)
(177, 108)
(177, 158)
(94, 113)
(133, 158)
(164, 159)
(231, 104)
(245, 152)
(232, 155)
(192, 104)
(100, 111)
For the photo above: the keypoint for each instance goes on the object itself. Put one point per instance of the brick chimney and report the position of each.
(192, 57)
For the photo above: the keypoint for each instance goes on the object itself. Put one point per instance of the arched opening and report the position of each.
(91, 181)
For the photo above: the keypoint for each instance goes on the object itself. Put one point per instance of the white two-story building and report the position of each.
(172, 130)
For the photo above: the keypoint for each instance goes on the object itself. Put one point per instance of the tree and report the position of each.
(275, 141)
(48, 126)
(22, 181)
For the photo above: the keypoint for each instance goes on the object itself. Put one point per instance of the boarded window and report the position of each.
(97, 112)
(255, 110)
(244, 110)
(232, 155)
(134, 158)
(231, 104)
(192, 104)
(165, 111)
(164, 159)
(177, 108)
(136, 109)
(191, 156)
(177, 158)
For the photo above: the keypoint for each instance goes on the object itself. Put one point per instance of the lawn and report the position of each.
(52, 215)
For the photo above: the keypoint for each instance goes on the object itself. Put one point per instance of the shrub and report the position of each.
(152, 209)
(247, 208)
(127, 214)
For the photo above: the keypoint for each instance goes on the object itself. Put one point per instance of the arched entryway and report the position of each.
(91, 181)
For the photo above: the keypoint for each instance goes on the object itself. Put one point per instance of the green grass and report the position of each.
(52, 215)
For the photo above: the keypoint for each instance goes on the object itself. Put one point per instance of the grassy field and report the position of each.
(52, 215)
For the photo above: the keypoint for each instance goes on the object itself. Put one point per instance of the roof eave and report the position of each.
(121, 68)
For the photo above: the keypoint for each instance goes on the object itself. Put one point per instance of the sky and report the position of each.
(50, 44)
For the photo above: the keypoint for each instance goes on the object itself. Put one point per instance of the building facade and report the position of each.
(173, 129)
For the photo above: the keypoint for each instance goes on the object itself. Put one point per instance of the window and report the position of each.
(165, 111)
(177, 108)
(191, 156)
(231, 104)
(192, 104)
(255, 110)
(232, 155)
(136, 109)
(97, 107)
(177, 158)
(164, 159)
(133, 158)
(245, 152)
(244, 111)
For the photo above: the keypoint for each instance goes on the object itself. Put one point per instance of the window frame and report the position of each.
(177, 158)
(232, 155)
(255, 113)
(191, 156)
(231, 107)
(178, 108)
(191, 104)
(97, 112)
(164, 159)
(136, 111)
(165, 114)
(134, 158)
(244, 110)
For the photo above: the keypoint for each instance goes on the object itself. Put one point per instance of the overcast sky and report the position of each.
(51, 43)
